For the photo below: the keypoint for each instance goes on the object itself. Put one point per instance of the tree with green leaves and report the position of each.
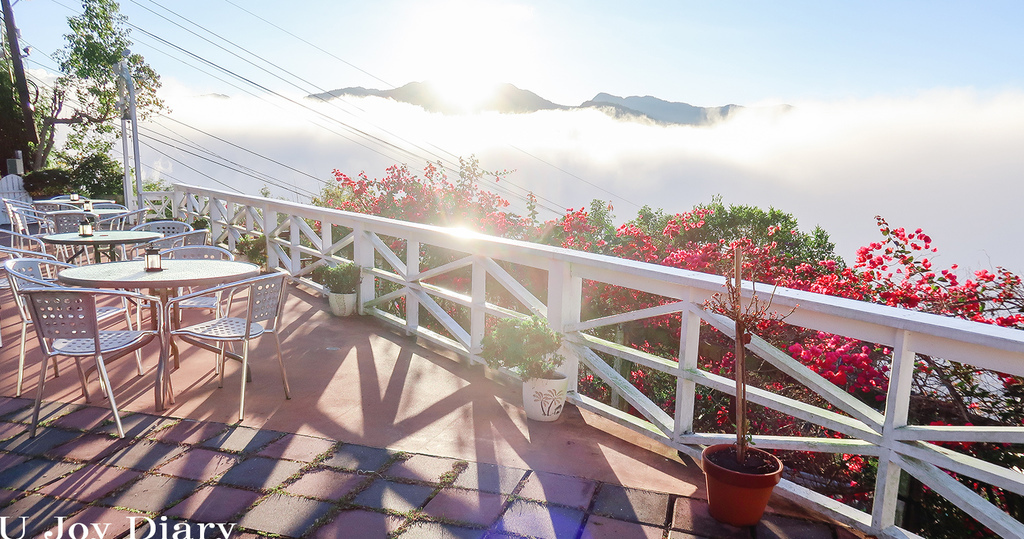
(85, 97)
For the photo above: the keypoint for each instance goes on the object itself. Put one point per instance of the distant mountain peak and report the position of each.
(509, 99)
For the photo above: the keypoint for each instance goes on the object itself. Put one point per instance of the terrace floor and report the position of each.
(381, 435)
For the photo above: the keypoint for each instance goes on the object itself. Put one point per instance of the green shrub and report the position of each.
(528, 346)
(339, 278)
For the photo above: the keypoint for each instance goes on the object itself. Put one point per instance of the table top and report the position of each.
(176, 273)
(103, 237)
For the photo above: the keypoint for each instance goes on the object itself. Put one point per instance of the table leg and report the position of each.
(163, 380)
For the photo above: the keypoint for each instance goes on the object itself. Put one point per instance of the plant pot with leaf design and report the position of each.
(340, 282)
(740, 479)
(529, 347)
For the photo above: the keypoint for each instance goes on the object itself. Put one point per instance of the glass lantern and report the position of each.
(74, 197)
(87, 206)
(85, 228)
(153, 259)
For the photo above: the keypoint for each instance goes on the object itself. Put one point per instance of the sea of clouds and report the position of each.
(947, 161)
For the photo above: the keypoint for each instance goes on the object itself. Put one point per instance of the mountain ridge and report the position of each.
(509, 99)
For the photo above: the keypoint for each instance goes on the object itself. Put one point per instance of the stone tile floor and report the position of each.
(179, 478)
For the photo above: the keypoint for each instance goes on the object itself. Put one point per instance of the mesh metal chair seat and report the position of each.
(265, 298)
(60, 313)
(200, 252)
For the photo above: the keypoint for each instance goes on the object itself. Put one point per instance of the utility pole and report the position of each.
(19, 73)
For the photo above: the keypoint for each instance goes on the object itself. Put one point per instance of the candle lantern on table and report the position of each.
(87, 206)
(85, 228)
(153, 259)
(74, 197)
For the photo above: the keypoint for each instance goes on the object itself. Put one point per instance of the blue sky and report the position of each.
(704, 53)
(909, 110)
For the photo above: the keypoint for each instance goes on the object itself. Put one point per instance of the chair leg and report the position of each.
(101, 371)
(245, 368)
(84, 379)
(280, 361)
(39, 398)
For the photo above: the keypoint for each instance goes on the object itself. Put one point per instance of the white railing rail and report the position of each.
(296, 246)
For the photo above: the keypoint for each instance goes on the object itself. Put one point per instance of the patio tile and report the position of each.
(10, 430)
(630, 504)
(10, 405)
(9, 460)
(214, 503)
(285, 515)
(359, 523)
(135, 425)
(85, 418)
(470, 506)
(779, 527)
(298, 447)
(48, 411)
(537, 520)
(559, 489)
(188, 432)
(35, 473)
(359, 457)
(40, 513)
(691, 515)
(118, 522)
(142, 455)
(90, 483)
(88, 447)
(241, 439)
(45, 440)
(399, 497)
(435, 530)
(6, 496)
(199, 464)
(260, 473)
(152, 493)
(421, 468)
(599, 527)
(326, 484)
(490, 478)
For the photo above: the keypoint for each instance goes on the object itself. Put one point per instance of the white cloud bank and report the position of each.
(949, 162)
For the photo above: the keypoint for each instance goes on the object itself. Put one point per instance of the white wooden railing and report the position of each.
(296, 247)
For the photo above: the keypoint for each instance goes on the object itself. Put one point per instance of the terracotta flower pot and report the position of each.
(544, 398)
(738, 498)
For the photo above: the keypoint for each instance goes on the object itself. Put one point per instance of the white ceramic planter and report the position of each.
(543, 399)
(342, 304)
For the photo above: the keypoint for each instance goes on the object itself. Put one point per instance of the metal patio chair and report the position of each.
(264, 305)
(67, 324)
(165, 227)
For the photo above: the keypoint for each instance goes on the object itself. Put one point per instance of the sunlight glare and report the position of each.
(466, 48)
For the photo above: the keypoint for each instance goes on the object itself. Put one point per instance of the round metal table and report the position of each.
(99, 238)
(176, 274)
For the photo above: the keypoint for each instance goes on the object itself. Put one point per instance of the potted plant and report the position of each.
(740, 479)
(529, 347)
(252, 248)
(340, 282)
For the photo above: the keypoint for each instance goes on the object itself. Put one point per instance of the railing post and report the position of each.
(178, 203)
(412, 303)
(565, 299)
(477, 318)
(689, 344)
(269, 226)
(362, 251)
(897, 409)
